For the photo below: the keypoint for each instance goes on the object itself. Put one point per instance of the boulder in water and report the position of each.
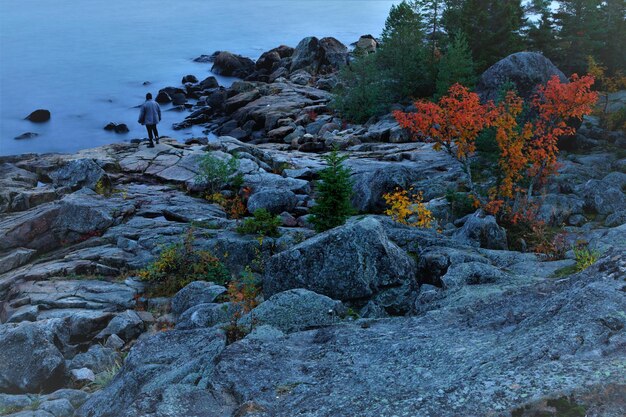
(189, 79)
(39, 116)
(229, 64)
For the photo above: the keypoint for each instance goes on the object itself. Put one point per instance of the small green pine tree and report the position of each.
(456, 66)
(333, 194)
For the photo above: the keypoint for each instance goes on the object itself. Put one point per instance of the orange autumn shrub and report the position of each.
(528, 149)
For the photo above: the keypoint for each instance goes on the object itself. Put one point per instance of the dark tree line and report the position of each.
(567, 34)
(428, 45)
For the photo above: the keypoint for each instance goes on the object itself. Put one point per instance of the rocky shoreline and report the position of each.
(371, 318)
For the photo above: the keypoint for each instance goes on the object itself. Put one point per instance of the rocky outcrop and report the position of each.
(526, 70)
(198, 292)
(295, 310)
(275, 201)
(353, 262)
(480, 229)
(30, 359)
(336, 305)
(228, 64)
(319, 55)
(547, 335)
(167, 371)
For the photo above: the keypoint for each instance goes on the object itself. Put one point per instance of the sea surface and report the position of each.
(87, 60)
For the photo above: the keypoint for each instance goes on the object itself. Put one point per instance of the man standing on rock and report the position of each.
(150, 115)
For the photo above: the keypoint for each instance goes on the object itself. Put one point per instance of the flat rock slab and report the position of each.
(78, 294)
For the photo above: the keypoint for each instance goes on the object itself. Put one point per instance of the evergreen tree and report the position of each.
(363, 90)
(333, 194)
(403, 52)
(493, 27)
(540, 34)
(580, 34)
(456, 66)
(431, 12)
(613, 51)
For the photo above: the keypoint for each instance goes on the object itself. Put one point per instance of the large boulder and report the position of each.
(526, 70)
(39, 116)
(207, 315)
(482, 230)
(197, 292)
(30, 361)
(366, 44)
(306, 54)
(271, 59)
(603, 197)
(319, 55)
(334, 53)
(351, 262)
(229, 64)
(295, 310)
(275, 201)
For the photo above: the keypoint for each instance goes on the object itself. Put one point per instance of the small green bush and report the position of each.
(216, 172)
(333, 205)
(263, 223)
(179, 264)
(585, 257)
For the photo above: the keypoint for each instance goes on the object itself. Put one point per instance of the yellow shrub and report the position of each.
(401, 206)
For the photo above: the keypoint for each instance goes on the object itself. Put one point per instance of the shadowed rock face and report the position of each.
(525, 70)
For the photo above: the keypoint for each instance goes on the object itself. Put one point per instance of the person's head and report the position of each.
(148, 96)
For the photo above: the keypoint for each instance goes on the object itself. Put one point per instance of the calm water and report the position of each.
(86, 61)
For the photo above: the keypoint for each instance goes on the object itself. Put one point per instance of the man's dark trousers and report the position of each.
(152, 133)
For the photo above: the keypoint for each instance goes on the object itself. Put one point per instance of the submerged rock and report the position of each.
(26, 135)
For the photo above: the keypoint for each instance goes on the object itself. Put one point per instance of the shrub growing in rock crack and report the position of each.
(215, 173)
(263, 223)
(243, 293)
(584, 256)
(179, 264)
